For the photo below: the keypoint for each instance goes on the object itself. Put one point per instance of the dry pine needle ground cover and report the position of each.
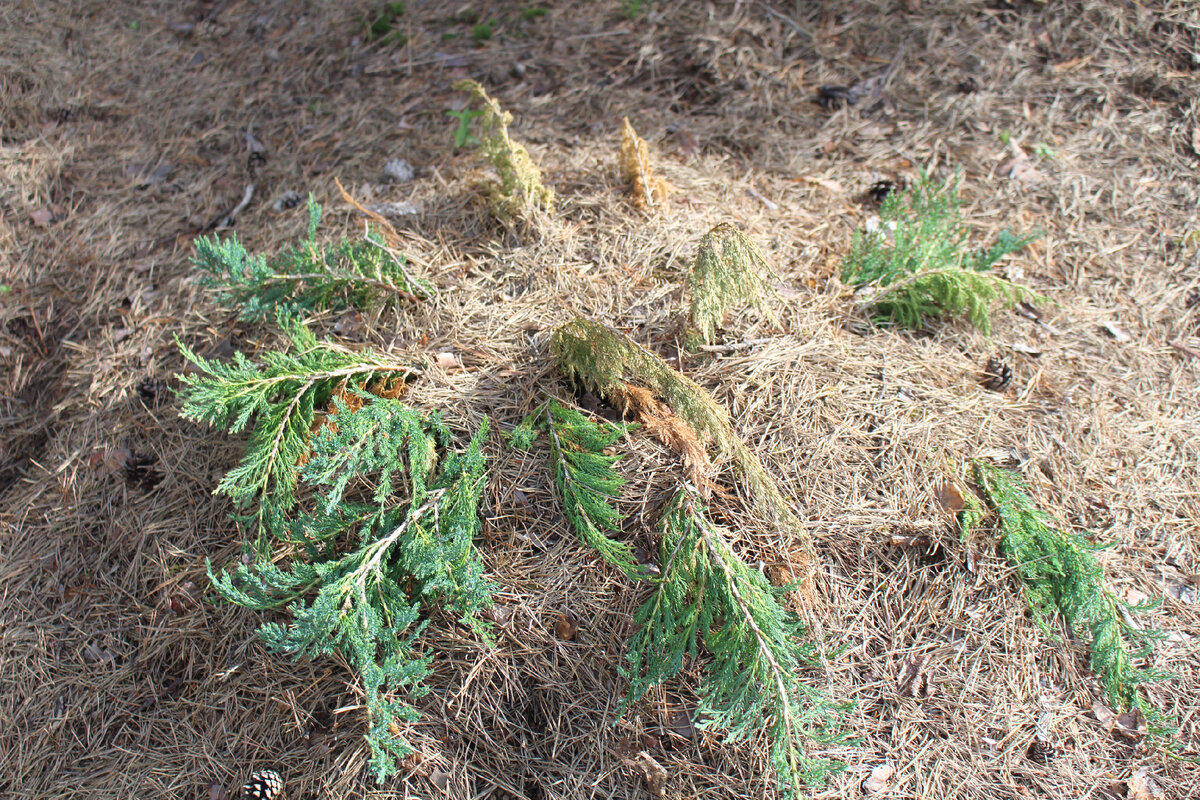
(124, 132)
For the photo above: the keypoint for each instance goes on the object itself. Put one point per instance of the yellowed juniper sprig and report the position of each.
(1062, 576)
(307, 277)
(518, 192)
(709, 598)
(916, 264)
(729, 271)
(649, 189)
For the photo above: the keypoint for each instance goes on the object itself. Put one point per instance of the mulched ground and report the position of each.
(126, 129)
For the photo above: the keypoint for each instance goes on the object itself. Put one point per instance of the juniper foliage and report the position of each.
(729, 270)
(709, 598)
(1061, 575)
(518, 192)
(366, 561)
(278, 401)
(307, 277)
(649, 189)
(585, 477)
(602, 359)
(917, 264)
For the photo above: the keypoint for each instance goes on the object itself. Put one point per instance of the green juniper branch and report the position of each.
(279, 400)
(709, 597)
(306, 277)
(584, 476)
(1061, 575)
(601, 359)
(374, 563)
(916, 264)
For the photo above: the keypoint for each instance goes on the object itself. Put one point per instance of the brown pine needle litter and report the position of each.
(122, 135)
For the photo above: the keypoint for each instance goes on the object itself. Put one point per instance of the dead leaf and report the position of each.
(1019, 167)
(497, 614)
(689, 145)
(653, 773)
(1142, 786)
(1117, 333)
(824, 183)
(1182, 592)
(181, 598)
(880, 779)
(159, 174)
(1196, 138)
(217, 792)
(1028, 350)
(950, 497)
(440, 779)
(1104, 715)
(567, 626)
(95, 653)
(42, 217)
(448, 361)
(350, 325)
(1131, 725)
(680, 722)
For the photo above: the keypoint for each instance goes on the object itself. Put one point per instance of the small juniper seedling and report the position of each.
(729, 270)
(916, 264)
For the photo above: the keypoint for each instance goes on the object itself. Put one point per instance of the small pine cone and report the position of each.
(265, 784)
(996, 375)
(880, 190)
(1042, 751)
(832, 97)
